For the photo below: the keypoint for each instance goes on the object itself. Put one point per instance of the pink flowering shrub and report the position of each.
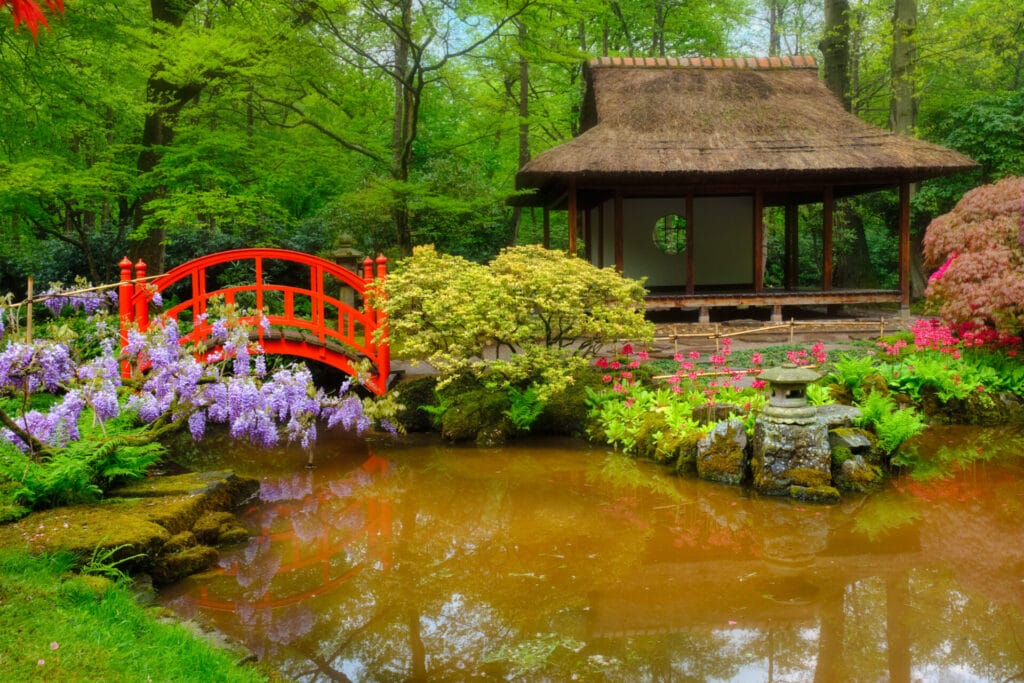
(978, 250)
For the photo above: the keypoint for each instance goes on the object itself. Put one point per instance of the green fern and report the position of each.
(526, 407)
(898, 426)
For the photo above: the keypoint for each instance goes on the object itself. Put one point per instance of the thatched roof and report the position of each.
(700, 123)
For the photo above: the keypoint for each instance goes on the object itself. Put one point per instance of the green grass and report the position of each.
(60, 626)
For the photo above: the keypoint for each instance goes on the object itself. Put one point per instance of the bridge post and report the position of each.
(124, 309)
(141, 302)
(383, 347)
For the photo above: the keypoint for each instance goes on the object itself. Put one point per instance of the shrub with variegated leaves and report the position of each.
(532, 316)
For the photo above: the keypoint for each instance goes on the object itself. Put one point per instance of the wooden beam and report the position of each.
(588, 234)
(904, 249)
(690, 260)
(547, 228)
(573, 217)
(827, 216)
(758, 240)
(791, 258)
(600, 236)
(619, 241)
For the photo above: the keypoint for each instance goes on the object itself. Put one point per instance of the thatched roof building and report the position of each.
(767, 129)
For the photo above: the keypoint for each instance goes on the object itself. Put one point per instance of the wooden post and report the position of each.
(573, 217)
(758, 240)
(619, 220)
(28, 314)
(588, 229)
(600, 235)
(691, 276)
(792, 245)
(547, 228)
(904, 249)
(383, 347)
(141, 302)
(124, 309)
(827, 216)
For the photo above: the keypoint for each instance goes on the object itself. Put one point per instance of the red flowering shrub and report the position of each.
(978, 249)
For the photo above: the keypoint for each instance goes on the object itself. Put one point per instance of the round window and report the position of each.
(670, 234)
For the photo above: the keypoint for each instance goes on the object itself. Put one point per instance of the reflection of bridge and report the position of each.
(320, 555)
(317, 318)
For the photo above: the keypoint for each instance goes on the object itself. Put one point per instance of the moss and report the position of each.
(180, 541)
(208, 527)
(566, 413)
(232, 534)
(826, 495)
(840, 454)
(727, 466)
(808, 477)
(175, 566)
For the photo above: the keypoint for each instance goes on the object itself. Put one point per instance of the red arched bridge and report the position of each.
(326, 316)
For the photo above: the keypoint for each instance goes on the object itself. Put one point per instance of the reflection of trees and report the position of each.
(457, 562)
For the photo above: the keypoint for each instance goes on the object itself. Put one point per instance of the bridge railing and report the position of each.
(331, 320)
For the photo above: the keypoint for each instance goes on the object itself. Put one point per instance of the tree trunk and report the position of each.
(835, 48)
(401, 154)
(903, 105)
(164, 100)
(855, 268)
(524, 122)
(774, 37)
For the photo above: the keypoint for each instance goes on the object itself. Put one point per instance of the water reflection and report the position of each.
(542, 562)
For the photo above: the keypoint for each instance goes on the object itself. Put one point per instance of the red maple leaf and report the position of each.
(31, 14)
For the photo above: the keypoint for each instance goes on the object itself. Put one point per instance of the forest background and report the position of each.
(176, 128)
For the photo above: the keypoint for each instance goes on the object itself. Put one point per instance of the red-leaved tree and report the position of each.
(978, 250)
(31, 14)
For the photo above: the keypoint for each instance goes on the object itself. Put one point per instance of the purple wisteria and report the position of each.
(171, 387)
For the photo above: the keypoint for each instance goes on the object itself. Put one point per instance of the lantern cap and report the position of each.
(790, 373)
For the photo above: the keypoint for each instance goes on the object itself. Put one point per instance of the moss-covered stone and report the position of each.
(815, 494)
(857, 475)
(686, 459)
(209, 526)
(808, 477)
(179, 541)
(232, 534)
(721, 454)
(178, 565)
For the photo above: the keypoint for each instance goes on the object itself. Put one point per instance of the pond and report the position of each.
(552, 560)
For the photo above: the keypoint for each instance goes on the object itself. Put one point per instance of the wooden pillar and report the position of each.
(904, 249)
(758, 241)
(588, 234)
(827, 213)
(791, 257)
(600, 235)
(619, 226)
(547, 228)
(573, 217)
(690, 260)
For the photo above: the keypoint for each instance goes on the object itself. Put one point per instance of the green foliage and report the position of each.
(819, 395)
(849, 371)
(532, 317)
(526, 407)
(104, 562)
(892, 425)
(83, 469)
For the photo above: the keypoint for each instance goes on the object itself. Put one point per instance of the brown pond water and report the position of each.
(549, 560)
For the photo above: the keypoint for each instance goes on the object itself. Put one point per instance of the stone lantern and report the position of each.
(346, 255)
(791, 450)
(788, 400)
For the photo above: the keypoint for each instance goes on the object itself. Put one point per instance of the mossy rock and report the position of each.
(179, 542)
(857, 475)
(686, 459)
(826, 495)
(232, 534)
(413, 394)
(477, 415)
(208, 528)
(722, 453)
(175, 566)
(807, 477)
(566, 413)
